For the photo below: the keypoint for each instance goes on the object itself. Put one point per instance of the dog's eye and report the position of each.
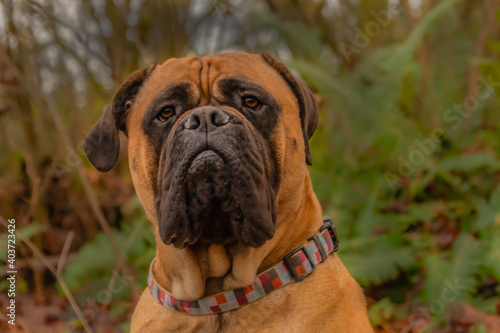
(251, 102)
(166, 113)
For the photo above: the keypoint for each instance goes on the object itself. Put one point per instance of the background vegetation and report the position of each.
(406, 158)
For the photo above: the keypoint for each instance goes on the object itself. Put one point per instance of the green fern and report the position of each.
(380, 264)
(458, 268)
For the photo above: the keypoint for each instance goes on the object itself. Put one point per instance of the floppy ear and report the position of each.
(102, 143)
(309, 112)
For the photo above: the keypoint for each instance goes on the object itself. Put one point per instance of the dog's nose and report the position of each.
(206, 118)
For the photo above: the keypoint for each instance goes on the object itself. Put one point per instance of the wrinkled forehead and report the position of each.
(206, 72)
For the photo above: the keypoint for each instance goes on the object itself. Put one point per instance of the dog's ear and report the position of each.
(309, 111)
(102, 143)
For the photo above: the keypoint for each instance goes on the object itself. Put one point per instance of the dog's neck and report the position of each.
(204, 270)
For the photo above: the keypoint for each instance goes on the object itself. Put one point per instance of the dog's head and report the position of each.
(208, 141)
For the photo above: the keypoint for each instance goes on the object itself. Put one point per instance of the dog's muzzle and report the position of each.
(212, 182)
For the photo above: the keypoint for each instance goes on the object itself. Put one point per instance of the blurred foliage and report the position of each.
(406, 158)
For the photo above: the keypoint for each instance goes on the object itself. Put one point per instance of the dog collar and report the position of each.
(295, 266)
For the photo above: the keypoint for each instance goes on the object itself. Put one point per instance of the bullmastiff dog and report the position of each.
(218, 147)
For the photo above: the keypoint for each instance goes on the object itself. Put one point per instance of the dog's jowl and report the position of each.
(218, 148)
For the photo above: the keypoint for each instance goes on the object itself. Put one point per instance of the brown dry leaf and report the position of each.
(478, 146)
(399, 207)
(466, 315)
(33, 316)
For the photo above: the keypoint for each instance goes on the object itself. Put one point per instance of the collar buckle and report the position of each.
(328, 224)
(291, 268)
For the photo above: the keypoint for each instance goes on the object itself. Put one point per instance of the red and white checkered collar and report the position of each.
(295, 266)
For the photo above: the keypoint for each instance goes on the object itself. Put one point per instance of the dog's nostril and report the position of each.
(193, 122)
(219, 118)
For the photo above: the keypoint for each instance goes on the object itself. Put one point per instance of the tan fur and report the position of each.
(327, 301)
